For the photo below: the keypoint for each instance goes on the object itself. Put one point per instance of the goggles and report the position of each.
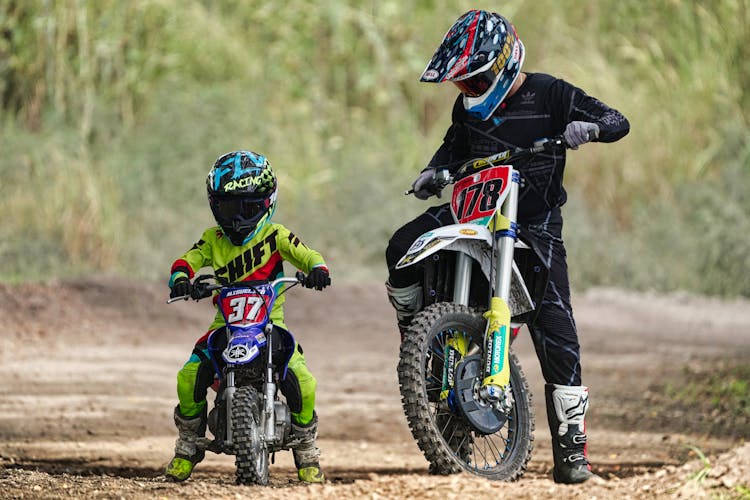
(477, 84)
(230, 207)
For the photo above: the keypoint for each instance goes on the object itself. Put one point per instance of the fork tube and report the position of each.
(269, 392)
(506, 241)
(462, 280)
(228, 402)
(496, 382)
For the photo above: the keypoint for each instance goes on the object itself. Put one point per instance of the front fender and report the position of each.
(244, 347)
(443, 237)
(475, 241)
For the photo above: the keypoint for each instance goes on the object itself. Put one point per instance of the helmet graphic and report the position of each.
(482, 55)
(242, 194)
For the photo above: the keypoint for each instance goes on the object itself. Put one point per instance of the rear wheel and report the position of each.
(251, 451)
(449, 436)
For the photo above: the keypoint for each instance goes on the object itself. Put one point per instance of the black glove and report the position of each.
(200, 291)
(318, 278)
(181, 287)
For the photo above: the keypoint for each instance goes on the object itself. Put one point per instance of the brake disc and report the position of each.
(483, 417)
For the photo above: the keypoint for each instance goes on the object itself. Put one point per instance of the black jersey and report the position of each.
(541, 108)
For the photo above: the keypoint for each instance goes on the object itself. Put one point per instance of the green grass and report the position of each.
(112, 112)
(707, 399)
(700, 475)
(702, 398)
(725, 389)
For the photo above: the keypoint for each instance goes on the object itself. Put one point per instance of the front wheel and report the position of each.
(251, 451)
(449, 439)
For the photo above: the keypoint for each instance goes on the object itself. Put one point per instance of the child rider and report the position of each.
(246, 246)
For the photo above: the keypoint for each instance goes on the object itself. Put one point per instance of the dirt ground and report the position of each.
(87, 387)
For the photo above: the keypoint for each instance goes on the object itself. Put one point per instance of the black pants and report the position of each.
(554, 332)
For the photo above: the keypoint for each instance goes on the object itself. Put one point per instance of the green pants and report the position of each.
(197, 375)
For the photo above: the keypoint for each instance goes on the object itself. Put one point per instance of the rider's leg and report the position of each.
(193, 381)
(556, 342)
(403, 285)
(566, 398)
(299, 390)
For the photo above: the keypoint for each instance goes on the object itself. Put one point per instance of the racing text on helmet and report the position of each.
(242, 194)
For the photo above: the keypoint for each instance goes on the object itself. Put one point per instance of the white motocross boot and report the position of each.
(566, 410)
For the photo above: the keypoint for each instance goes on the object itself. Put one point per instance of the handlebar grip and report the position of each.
(202, 291)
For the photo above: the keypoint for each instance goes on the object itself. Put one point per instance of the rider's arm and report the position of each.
(569, 103)
(455, 147)
(197, 257)
(297, 253)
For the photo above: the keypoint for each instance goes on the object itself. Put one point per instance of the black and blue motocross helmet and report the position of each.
(242, 194)
(482, 55)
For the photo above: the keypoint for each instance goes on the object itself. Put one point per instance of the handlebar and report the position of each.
(202, 289)
(443, 177)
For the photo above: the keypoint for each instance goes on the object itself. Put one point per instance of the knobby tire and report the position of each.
(251, 452)
(459, 451)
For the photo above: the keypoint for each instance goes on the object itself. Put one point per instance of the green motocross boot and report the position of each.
(306, 454)
(186, 452)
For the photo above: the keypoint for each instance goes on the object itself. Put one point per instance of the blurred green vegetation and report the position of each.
(727, 385)
(713, 399)
(111, 114)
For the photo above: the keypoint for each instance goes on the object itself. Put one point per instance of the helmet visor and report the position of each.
(231, 207)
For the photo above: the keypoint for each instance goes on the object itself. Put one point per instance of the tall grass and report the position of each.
(676, 203)
(112, 112)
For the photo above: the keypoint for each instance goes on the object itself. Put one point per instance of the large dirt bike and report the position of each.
(466, 399)
(250, 357)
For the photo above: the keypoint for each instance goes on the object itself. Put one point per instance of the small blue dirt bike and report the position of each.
(250, 358)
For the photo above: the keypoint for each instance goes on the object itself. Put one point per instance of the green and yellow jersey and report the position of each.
(261, 258)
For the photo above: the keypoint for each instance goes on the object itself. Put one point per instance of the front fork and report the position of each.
(269, 392)
(229, 391)
(269, 389)
(496, 383)
(495, 386)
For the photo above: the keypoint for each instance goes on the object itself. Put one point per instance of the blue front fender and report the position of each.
(244, 347)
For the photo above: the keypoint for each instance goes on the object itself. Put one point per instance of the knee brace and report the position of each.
(406, 301)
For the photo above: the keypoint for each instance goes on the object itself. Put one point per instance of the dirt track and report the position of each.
(87, 391)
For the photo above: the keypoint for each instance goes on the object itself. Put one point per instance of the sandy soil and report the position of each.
(87, 387)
